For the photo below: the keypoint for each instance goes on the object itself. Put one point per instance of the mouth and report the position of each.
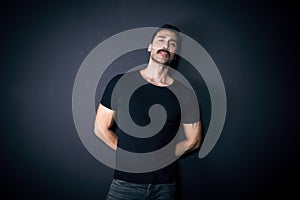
(164, 53)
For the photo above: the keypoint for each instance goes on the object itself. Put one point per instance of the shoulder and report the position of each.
(184, 93)
(182, 88)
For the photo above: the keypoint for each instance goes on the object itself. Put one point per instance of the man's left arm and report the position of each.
(193, 138)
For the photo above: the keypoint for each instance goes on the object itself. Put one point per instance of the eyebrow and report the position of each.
(162, 36)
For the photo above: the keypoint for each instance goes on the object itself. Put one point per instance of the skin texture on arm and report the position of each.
(103, 122)
(193, 138)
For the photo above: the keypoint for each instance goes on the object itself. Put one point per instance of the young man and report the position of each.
(157, 87)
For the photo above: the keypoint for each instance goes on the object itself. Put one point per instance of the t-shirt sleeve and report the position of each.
(108, 99)
(191, 112)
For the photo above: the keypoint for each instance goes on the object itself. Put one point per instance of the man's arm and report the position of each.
(193, 138)
(103, 122)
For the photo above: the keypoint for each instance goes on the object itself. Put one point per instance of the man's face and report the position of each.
(163, 47)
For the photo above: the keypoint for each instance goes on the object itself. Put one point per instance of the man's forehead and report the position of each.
(166, 33)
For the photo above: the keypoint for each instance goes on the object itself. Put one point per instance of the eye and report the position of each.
(173, 44)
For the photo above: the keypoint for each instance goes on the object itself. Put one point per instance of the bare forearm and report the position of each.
(193, 138)
(103, 122)
(108, 137)
(185, 146)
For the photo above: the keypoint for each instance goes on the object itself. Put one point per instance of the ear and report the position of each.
(149, 47)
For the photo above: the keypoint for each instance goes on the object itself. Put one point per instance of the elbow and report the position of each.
(101, 131)
(197, 141)
(98, 130)
(195, 144)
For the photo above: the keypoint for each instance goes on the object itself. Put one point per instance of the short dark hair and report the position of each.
(167, 27)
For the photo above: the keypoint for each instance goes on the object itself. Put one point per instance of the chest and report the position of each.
(140, 102)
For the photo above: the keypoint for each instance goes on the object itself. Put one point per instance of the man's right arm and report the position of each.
(103, 122)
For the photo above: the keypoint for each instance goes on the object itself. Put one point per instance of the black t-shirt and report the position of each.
(132, 98)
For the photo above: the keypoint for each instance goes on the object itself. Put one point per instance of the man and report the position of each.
(157, 88)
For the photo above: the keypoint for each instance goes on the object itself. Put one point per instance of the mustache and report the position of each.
(160, 50)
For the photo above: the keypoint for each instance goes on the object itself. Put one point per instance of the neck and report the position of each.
(156, 74)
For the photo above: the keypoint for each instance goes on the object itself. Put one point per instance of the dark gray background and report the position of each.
(252, 43)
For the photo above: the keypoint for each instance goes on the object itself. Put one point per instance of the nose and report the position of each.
(166, 46)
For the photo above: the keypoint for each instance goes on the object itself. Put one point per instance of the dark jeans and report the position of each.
(123, 190)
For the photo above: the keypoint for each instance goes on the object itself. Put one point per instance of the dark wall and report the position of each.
(253, 45)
